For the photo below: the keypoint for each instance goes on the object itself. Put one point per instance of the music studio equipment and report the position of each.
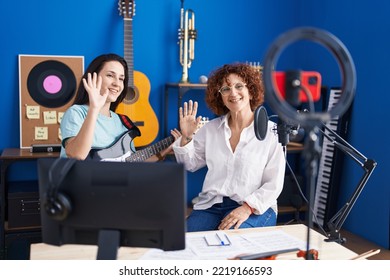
(312, 121)
(261, 123)
(330, 164)
(346, 65)
(57, 204)
(136, 103)
(283, 129)
(45, 148)
(187, 36)
(328, 179)
(120, 150)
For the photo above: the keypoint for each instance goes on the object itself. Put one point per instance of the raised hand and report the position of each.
(93, 86)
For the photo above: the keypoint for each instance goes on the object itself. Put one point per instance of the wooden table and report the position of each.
(327, 250)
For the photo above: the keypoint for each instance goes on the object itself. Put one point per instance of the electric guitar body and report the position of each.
(121, 150)
(136, 103)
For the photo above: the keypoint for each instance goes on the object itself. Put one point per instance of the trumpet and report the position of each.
(187, 36)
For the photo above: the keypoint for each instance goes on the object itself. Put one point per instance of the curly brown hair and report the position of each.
(252, 77)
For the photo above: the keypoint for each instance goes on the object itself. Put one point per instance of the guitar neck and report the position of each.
(146, 153)
(128, 48)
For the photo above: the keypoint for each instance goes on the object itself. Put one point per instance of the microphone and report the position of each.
(261, 123)
(284, 130)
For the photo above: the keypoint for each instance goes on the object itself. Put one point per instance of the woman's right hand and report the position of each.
(188, 120)
(93, 86)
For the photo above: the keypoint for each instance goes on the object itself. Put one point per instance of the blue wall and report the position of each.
(227, 31)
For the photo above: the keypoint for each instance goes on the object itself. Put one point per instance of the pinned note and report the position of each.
(32, 112)
(60, 115)
(41, 133)
(50, 117)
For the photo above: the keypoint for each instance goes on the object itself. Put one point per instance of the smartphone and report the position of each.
(310, 79)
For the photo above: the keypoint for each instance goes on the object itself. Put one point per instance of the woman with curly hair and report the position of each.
(245, 176)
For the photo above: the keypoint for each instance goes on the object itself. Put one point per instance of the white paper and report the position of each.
(197, 247)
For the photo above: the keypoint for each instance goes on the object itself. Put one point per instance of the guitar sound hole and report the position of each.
(132, 96)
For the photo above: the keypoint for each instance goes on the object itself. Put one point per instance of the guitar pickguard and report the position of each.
(121, 147)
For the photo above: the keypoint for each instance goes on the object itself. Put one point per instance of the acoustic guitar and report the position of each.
(136, 103)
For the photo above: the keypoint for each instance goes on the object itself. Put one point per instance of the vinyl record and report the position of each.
(51, 83)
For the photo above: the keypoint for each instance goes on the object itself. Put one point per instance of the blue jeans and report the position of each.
(209, 219)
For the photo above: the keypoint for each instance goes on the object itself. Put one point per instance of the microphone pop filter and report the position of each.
(261, 123)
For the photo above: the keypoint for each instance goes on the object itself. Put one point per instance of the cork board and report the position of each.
(47, 87)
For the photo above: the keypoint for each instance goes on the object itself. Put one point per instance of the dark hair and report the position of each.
(251, 76)
(95, 66)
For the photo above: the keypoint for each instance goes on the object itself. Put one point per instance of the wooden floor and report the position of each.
(360, 245)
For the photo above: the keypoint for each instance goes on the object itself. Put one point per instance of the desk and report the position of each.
(327, 250)
(183, 89)
(8, 157)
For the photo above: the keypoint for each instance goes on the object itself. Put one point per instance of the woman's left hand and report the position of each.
(235, 218)
(176, 134)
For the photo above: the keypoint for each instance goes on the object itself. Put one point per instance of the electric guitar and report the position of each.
(136, 103)
(120, 150)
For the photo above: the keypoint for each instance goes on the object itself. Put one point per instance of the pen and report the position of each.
(220, 239)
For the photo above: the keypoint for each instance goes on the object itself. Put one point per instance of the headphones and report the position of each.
(58, 205)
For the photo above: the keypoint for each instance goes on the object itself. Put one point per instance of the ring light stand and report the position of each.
(311, 120)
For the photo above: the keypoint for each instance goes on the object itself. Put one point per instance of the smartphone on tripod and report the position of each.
(309, 79)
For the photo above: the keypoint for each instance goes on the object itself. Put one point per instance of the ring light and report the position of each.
(345, 63)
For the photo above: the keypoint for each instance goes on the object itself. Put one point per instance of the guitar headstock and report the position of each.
(126, 8)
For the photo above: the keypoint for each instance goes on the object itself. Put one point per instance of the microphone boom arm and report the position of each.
(368, 165)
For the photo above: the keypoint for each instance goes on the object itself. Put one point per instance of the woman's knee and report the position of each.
(200, 220)
(265, 220)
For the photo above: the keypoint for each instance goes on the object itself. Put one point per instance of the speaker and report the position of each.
(47, 87)
(58, 205)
